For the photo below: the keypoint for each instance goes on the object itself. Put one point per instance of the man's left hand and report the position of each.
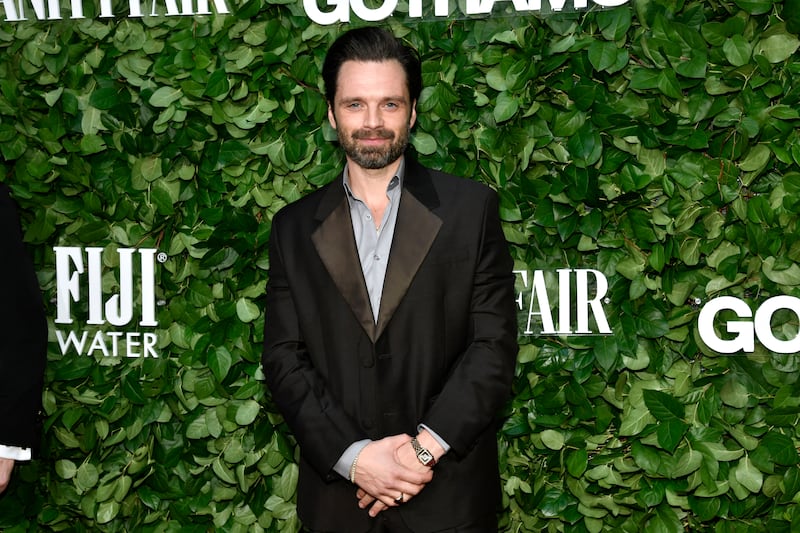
(6, 467)
(406, 456)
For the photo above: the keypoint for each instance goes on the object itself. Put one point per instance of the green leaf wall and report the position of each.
(656, 143)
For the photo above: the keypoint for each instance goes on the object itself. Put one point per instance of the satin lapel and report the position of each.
(336, 247)
(416, 229)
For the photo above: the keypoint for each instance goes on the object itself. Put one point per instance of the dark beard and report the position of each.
(373, 158)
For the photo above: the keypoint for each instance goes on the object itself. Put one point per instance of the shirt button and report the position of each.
(376, 257)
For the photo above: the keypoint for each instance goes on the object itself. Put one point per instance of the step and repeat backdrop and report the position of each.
(647, 157)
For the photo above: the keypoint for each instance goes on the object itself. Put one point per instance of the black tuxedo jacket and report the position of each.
(23, 335)
(442, 352)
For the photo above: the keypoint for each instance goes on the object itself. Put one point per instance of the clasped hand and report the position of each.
(6, 466)
(386, 469)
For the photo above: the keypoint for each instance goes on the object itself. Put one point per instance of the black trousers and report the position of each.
(390, 521)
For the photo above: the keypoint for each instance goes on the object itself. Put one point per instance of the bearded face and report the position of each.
(361, 148)
(372, 112)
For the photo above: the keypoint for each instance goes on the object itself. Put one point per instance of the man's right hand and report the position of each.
(6, 467)
(381, 477)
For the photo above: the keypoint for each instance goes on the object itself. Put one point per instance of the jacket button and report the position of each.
(367, 360)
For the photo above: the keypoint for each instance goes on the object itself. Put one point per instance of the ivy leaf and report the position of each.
(86, 477)
(231, 152)
(663, 406)
(165, 96)
(287, 485)
(424, 143)
(223, 472)
(635, 420)
(66, 469)
(781, 274)
(105, 98)
(748, 475)
(247, 412)
(107, 511)
(219, 361)
(506, 107)
(614, 23)
(777, 48)
(91, 122)
(780, 448)
(246, 310)
(552, 439)
(92, 144)
(606, 351)
(670, 433)
(218, 84)
(197, 429)
(665, 520)
(651, 323)
(737, 50)
(650, 495)
(577, 461)
(14, 148)
(602, 55)
(668, 84)
(586, 147)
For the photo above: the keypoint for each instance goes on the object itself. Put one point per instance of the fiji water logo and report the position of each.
(106, 322)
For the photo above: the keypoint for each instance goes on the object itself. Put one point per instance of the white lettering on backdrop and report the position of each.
(72, 263)
(339, 10)
(20, 10)
(581, 289)
(750, 327)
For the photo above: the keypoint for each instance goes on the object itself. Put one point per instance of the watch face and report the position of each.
(425, 457)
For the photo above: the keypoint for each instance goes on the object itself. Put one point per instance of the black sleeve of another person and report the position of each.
(23, 334)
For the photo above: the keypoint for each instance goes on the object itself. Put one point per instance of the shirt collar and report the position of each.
(396, 180)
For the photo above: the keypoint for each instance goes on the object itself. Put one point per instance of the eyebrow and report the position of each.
(395, 98)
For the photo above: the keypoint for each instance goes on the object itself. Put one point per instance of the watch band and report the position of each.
(423, 454)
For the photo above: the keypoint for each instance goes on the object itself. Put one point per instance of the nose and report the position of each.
(373, 117)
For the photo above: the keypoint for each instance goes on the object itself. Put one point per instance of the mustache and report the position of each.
(380, 133)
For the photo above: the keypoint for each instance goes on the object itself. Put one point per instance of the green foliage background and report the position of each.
(656, 142)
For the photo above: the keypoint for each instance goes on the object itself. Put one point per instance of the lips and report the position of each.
(373, 135)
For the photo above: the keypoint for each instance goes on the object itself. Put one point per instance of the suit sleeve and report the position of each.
(23, 335)
(322, 428)
(479, 383)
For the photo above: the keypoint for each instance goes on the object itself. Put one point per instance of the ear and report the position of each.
(413, 118)
(331, 116)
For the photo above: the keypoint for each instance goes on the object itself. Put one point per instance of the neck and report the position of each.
(370, 183)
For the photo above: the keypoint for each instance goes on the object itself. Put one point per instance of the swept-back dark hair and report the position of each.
(371, 44)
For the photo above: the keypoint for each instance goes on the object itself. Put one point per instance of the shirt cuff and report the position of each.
(342, 466)
(440, 440)
(15, 452)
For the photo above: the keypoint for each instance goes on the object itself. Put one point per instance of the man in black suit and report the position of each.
(23, 344)
(390, 331)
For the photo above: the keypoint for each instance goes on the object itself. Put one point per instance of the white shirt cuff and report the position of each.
(342, 467)
(15, 452)
(436, 436)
